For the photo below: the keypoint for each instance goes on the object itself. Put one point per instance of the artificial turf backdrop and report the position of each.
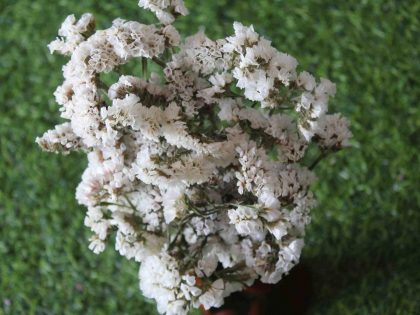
(363, 246)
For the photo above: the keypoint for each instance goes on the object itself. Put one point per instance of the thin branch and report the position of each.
(232, 94)
(318, 159)
(144, 67)
(159, 62)
(284, 108)
(102, 85)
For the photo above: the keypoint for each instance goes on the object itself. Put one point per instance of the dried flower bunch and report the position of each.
(199, 169)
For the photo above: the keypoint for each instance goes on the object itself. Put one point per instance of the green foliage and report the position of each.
(363, 243)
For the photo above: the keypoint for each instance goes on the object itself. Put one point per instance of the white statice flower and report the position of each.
(283, 67)
(333, 131)
(313, 106)
(250, 177)
(173, 203)
(306, 80)
(148, 202)
(256, 85)
(244, 37)
(133, 39)
(276, 222)
(203, 55)
(247, 222)
(160, 280)
(196, 170)
(61, 139)
(96, 244)
(259, 68)
(325, 89)
(256, 119)
(139, 87)
(165, 10)
(299, 216)
(219, 83)
(200, 227)
(228, 109)
(213, 297)
(189, 287)
(172, 36)
(72, 32)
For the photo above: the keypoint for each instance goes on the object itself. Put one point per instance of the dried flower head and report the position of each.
(197, 170)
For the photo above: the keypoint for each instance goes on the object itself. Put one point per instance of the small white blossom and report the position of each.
(61, 139)
(96, 244)
(213, 297)
(72, 33)
(306, 80)
(247, 222)
(333, 131)
(165, 9)
(132, 39)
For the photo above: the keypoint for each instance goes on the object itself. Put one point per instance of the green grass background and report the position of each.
(363, 246)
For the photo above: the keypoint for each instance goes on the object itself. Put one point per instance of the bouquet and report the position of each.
(199, 169)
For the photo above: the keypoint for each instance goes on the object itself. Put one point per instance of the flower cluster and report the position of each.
(200, 169)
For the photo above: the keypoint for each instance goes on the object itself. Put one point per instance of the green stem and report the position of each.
(318, 159)
(159, 62)
(144, 67)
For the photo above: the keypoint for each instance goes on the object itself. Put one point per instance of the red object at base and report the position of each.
(219, 312)
(290, 296)
(259, 288)
(222, 312)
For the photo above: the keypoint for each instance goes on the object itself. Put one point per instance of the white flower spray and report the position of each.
(199, 170)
